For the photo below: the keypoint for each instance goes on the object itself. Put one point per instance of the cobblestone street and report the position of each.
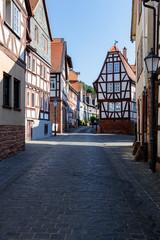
(79, 185)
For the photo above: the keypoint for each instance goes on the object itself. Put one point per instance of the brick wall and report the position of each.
(117, 126)
(12, 140)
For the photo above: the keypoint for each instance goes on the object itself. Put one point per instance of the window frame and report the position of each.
(6, 86)
(110, 84)
(28, 99)
(36, 34)
(10, 19)
(34, 65)
(110, 107)
(29, 62)
(109, 67)
(119, 110)
(16, 93)
(33, 100)
(116, 67)
(116, 83)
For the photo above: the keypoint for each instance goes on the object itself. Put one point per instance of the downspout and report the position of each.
(154, 22)
(145, 90)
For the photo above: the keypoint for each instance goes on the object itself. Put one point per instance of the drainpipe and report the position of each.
(145, 90)
(154, 22)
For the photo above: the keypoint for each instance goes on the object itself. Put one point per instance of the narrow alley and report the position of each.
(79, 185)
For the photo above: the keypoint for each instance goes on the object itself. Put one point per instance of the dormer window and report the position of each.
(12, 16)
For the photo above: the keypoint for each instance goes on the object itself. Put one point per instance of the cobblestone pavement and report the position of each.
(79, 185)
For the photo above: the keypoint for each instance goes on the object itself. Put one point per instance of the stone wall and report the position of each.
(12, 140)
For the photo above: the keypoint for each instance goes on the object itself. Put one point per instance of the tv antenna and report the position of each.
(115, 42)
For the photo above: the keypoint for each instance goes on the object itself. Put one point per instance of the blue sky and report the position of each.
(90, 28)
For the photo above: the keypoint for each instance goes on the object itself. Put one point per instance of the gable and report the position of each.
(41, 16)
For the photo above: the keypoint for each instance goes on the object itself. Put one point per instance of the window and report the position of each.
(36, 34)
(117, 87)
(6, 90)
(41, 70)
(53, 83)
(28, 99)
(32, 99)
(110, 87)
(29, 62)
(41, 103)
(110, 68)
(45, 45)
(8, 12)
(16, 19)
(116, 67)
(111, 107)
(118, 106)
(42, 41)
(34, 65)
(16, 93)
(45, 73)
(12, 16)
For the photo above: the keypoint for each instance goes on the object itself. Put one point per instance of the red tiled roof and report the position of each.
(75, 86)
(73, 76)
(114, 49)
(57, 47)
(80, 86)
(133, 68)
(128, 68)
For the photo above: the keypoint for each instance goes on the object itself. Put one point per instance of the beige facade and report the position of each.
(142, 32)
(10, 115)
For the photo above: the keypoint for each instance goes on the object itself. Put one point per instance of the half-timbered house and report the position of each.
(115, 88)
(59, 77)
(73, 96)
(13, 35)
(38, 124)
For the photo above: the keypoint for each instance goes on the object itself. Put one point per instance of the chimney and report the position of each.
(125, 53)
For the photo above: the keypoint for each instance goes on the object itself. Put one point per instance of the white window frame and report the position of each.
(110, 108)
(117, 109)
(14, 19)
(108, 87)
(36, 34)
(45, 72)
(109, 67)
(41, 70)
(29, 62)
(116, 67)
(116, 83)
(34, 65)
(33, 100)
(53, 80)
(28, 99)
